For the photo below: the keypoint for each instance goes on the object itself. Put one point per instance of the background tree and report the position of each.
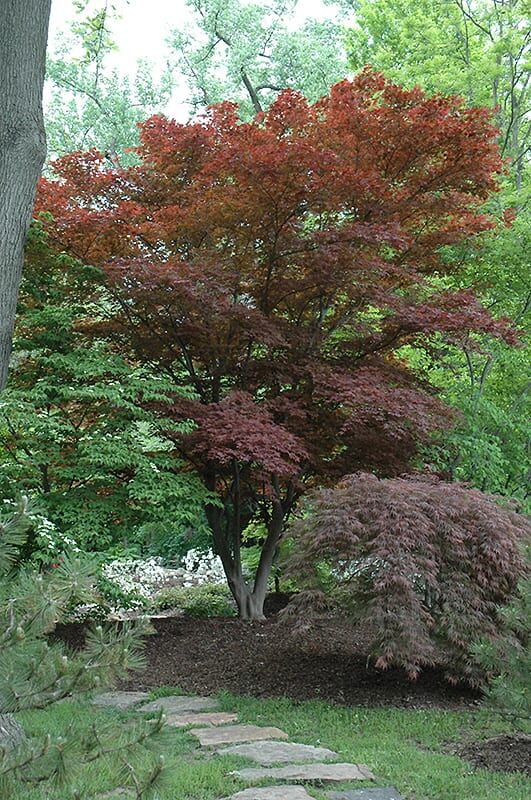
(247, 52)
(90, 104)
(480, 50)
(276, 267)
(23, 37)
(74, 432)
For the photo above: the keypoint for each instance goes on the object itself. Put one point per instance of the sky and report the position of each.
(142, 28)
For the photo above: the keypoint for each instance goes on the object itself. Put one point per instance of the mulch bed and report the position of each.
(265, 660)
(502, 753)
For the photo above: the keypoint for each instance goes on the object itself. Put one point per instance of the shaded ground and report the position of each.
(502, 753)
(264, 660)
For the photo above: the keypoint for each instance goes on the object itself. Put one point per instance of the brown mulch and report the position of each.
(509, 753)
(265, 660)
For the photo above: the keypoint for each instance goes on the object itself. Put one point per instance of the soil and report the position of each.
(265, 660)
(500, 754)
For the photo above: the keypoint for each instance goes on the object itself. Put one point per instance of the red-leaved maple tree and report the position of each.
(277, 267)
(427, 566)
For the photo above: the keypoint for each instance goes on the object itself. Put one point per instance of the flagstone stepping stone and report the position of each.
(273, 793)
(321, 773)
(232, 734)
(120, 700)
(176, 704)
(387, 793)
(207, 719)
(267, 753)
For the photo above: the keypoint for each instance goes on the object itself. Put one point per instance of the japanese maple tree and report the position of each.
(427, 566)
(277, 267)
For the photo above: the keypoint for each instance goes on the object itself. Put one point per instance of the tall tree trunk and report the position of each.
(23, 38)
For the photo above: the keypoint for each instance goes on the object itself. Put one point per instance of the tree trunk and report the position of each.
(250, 602)
(23, 37)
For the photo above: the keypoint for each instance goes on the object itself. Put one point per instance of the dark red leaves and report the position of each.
(426, 564)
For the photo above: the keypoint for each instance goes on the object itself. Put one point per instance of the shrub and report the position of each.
(426, 564)
(36, 671)
(206, 600)
(507, 662)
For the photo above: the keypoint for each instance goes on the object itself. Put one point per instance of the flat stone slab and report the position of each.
(267, 753)
(120, 700)
(208, 719)
(232, 734)
(320, 773)
(387, 793)
(273, 793)
(176, 704)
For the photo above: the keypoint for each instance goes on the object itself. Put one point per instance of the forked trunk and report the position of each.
(250, 602)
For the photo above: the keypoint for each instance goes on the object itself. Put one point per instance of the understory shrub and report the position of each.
(37, 671)
(507, 662)
(427, 565)
(206, 600)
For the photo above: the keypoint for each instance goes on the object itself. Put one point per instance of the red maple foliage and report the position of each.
(276, 267)
(426, 566)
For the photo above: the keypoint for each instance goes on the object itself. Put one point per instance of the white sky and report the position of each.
(142, 28)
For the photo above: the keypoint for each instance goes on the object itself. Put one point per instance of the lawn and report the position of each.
(409, 749)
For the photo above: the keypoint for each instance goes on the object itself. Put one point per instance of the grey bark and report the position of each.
(23, 38)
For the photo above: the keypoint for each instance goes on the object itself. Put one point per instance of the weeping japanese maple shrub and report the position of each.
(427, 566)
(276, 267)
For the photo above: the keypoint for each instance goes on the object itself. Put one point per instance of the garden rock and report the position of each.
(176, 704)
(267, 753)
(120, 700)
(388, 793)
(232, 734)
(272, 793)
(320, 773)
(207, 720)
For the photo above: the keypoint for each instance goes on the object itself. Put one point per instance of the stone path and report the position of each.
(302, 763)
(268, 753)
(209, 737)
(313, 773)
(389, 793)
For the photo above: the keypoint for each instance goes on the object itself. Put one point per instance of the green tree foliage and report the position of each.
(89, 104)
(77, 425)
(247, 53)
(508, 663)
(481, 50)
(477, 48)
(36, 671)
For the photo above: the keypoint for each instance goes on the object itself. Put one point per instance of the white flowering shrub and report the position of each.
(48, 544)
(137, 584)
(199, 567)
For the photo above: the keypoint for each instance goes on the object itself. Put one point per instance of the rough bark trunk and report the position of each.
(23, 38)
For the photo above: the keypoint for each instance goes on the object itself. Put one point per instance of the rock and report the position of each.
(389, 793)
(207, 720)
(11, 732)
(272, 793)
(120, 700)
(321, 773)
(267, 753)
(176, 704)
(232, 734)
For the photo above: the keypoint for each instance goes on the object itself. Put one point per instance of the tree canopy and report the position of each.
(276, 267)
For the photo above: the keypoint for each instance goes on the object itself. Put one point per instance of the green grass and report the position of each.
(403, 748)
